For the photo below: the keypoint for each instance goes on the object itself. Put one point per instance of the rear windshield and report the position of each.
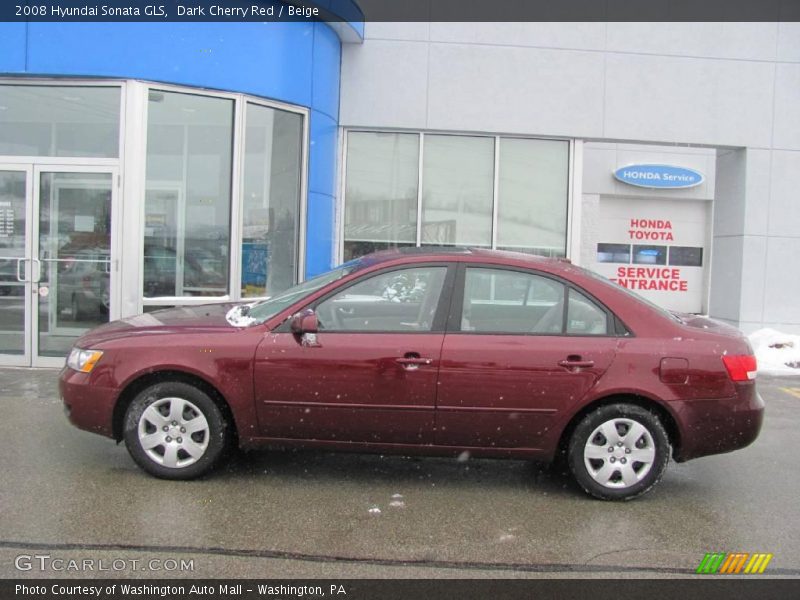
(631, 293)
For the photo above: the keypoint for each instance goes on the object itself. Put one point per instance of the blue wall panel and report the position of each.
(319, 232)
(322, 171)
(326, 69)
(13, 46)
(298, 63)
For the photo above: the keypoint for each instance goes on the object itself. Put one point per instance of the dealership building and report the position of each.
(145, 165)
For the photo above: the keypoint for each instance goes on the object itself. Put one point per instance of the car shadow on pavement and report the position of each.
(357, 468)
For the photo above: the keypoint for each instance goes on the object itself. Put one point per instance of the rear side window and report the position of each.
(501, 301)
(584, 317)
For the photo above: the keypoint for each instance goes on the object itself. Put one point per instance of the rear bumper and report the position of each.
(89, 407)
(719, 426)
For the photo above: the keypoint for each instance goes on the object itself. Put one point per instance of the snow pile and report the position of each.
(777, 353)
(238, 315)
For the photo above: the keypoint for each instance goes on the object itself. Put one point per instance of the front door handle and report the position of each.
(575, 363)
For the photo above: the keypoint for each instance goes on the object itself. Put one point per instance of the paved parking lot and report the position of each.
(69, 494)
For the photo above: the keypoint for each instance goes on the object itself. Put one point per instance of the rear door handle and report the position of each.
(576, 364)
(412, 361)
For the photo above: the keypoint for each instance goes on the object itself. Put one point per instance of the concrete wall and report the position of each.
(733, 86)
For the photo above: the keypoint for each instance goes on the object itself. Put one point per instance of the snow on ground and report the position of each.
(777, 353)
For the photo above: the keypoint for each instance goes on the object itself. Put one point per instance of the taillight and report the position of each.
(740, 368)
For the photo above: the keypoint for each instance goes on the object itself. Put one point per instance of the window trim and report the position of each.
(457, 305)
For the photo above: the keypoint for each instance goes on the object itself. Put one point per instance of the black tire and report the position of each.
(603, 476)
(155, 460)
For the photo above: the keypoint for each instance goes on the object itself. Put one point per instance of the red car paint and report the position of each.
(493, 395)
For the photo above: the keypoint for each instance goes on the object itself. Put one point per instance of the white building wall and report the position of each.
(732, 86)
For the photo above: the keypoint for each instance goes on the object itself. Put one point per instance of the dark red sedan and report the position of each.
(437, 352)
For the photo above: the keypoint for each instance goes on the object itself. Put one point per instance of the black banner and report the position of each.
(403, 589)
(400, 10)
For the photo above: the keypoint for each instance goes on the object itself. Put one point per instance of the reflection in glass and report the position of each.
(12, 250)
(685, 256)
(74, 254)
(380, 192)
(188, 195)
(38, 120)
(649, 255)
(271, 202)
(457, 190)
(502, 301)
(614, 253)
(404, 300)
(584, 317)
(532, 196)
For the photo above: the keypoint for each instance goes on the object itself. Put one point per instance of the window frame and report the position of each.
(236, 224)
(614, 325)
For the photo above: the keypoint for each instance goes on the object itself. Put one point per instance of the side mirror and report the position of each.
(304, 322)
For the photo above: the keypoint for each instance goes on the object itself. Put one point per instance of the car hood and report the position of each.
(206, 318)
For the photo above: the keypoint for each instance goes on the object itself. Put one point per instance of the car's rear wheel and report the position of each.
(618, 452)
(174, 430)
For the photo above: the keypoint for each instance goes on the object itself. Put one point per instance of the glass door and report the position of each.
(15, 264)
(57, 259)
(73, 262)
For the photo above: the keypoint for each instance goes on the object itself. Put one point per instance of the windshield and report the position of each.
(270, 307)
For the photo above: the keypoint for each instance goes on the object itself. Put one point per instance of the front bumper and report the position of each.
(88, 406)
(719, 426)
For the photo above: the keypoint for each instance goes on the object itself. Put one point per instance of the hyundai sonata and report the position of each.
(438, 351)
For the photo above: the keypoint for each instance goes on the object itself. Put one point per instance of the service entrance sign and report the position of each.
(657, 248)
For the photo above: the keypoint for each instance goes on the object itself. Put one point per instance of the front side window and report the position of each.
(402, 300)
(584, 317)
(502, 301)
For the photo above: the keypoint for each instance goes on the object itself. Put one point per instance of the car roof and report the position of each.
(461, 254)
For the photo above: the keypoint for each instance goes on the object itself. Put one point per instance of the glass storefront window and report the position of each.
(457, 190)
(532, 196)
(188, 195)
(381, 192)
(463, 199)
(271, 200)
(75, 121)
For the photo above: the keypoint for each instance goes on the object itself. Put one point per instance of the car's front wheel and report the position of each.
(618, 452)
(174, 430)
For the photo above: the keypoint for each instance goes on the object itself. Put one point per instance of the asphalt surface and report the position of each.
(72, 495)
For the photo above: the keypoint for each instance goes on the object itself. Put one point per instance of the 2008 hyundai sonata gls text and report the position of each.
(436, 352)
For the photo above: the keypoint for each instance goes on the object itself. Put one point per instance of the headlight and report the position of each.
(83, 360)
